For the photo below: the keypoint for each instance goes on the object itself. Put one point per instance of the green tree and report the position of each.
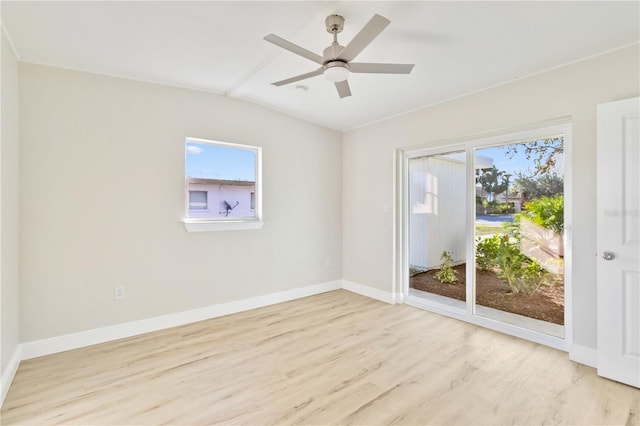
(535, 186)
(492, 180)
(544, 152)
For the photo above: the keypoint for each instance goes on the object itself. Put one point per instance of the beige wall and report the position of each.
(9, 206)
(574, 90)
(102, 195)
(90, 143)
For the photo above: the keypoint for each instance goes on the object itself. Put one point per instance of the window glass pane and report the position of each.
(221, 180)
(197, 199)
(519, 227)
(437, 230)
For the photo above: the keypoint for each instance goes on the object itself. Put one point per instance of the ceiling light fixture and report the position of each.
(336, 71)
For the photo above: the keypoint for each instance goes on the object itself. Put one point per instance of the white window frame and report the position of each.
(193, 224)
(401, 252)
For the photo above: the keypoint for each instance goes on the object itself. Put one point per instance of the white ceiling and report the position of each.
(458, 47)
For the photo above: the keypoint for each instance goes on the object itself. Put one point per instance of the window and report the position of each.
(222, 185)
(198, 200)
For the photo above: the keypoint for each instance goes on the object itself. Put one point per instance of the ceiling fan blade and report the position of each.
(343, 88)
(294, 48)
(364, 37)
(299, 77)
(362, 67)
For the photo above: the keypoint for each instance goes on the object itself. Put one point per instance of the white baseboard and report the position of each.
(374, 293)
(9, 373)
(28, 350)
(584, 355)
(106, 334)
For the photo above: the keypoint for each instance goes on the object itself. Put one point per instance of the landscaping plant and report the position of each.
(547, 212)
(446, 274)
(501, 254)
(522, 274)
(487, 252)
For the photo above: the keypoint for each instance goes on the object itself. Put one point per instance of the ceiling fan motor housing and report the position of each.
(335, 24)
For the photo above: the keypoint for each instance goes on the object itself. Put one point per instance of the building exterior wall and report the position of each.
(238, 197)
(437, 217)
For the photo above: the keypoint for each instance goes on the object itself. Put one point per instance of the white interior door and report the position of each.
(619, 241)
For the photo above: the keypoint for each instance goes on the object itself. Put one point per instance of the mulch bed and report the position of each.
(546, 304)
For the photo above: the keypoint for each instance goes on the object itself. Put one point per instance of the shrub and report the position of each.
(501, 254)
(487, 252)
(446, 274)
(547, 212)
(523, 275)
(495, 207)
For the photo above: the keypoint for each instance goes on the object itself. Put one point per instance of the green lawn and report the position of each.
(489, 230)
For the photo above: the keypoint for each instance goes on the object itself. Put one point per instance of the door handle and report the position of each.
(608, 255)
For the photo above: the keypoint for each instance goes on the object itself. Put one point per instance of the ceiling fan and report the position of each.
(335, 63)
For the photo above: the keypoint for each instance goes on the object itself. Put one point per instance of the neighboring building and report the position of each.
(437, 219)
(219, 198)
(516, 199)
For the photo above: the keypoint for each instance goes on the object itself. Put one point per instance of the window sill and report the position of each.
(199, 225)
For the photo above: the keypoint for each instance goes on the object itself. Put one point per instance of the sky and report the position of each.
(518, 163)
(510, 165)
(204, 160)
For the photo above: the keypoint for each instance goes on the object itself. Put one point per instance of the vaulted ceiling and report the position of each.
(458, 47)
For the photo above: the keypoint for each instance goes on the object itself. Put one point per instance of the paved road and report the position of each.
(494, 220)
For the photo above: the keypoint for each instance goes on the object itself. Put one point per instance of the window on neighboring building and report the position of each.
(222, 182)
(198, 200)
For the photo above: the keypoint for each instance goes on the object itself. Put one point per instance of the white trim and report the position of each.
(373, 293)
(9, 373)
(460, 143)
(568, 234)
(583, 355)
(119, 331)
(461, 314)
(396, 284)
(195, 225)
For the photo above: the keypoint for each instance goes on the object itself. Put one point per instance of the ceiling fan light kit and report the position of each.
(335, 63)
(336, 71)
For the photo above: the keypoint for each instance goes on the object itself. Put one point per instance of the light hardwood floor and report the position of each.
(335, 358)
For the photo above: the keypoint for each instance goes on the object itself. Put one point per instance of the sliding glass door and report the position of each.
(486, 240)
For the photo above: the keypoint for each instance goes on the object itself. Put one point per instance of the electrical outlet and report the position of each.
(328, 262)
(118, 293)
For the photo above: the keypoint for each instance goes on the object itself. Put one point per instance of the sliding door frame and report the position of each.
(469, 145)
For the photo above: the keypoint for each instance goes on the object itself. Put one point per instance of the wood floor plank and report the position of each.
(334, 358)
